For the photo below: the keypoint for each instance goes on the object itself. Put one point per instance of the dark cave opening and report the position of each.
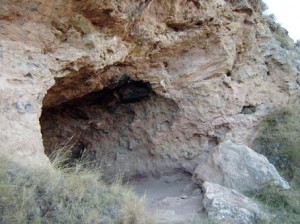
(124, 92)
(114, 129)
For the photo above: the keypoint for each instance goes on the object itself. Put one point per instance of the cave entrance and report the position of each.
(113, 129)
(126, 129)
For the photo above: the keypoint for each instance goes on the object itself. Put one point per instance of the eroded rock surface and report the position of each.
(214, 67)
(229, 206)
(145, 88)
(238, 167)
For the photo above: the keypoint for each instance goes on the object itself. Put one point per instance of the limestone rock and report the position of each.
(229, 206)
(206, 62)
(238, 167)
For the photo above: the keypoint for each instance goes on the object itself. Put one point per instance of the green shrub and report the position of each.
(283, 39)
(284, 204)
(279, 140)
(280, 34)
(258, 5)
(63, 195)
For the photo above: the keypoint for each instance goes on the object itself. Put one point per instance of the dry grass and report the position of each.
(279, 140)
(284, 205)
(204, 221)
(64, 195)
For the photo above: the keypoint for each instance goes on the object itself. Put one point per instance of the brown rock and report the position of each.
(206, 61)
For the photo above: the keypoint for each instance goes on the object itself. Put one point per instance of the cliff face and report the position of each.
(145, 87)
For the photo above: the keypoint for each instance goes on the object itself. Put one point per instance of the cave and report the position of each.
(125, 130)
(113, 129)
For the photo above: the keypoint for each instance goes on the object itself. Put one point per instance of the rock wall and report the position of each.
(213, 70)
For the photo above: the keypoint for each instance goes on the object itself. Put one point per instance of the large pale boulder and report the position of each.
(238, 167)
(229, 206)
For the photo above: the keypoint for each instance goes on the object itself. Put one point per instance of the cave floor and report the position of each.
(171, 199)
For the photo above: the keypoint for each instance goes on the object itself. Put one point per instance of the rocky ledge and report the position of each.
(147, 88)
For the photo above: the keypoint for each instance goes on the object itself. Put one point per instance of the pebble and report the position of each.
(183, 196)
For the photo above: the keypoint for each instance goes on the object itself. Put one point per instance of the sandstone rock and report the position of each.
(238, 167)
(206, 62)
(229, 206)
(242, 6)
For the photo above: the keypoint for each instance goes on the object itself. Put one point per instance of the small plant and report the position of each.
(280, 33)
(264, 6)
(258, 5)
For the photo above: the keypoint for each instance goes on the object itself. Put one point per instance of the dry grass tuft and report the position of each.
(64, 195)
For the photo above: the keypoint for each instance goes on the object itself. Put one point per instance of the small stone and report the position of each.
(183, 196)
(28, 108)
(29, 75)
(20, 107)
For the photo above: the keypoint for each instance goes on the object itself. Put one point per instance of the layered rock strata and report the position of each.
(206, 71)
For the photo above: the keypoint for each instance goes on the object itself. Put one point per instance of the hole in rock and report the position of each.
(114, 129)
(248, 109)
(228, 74)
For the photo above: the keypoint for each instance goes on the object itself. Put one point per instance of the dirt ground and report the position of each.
(171, 199)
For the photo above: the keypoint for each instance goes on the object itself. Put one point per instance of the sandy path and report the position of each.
(171, 199)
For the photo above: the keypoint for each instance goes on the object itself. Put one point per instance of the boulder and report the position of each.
(229, 206)
(238, 167)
